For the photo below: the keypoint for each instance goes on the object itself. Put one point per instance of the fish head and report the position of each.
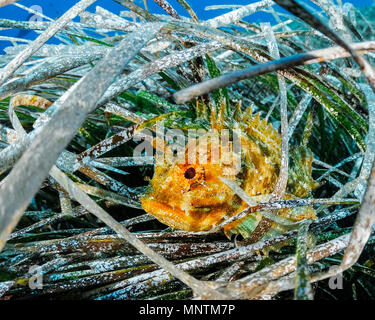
(189, 195)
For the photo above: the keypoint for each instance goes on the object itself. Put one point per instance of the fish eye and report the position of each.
(190, 173)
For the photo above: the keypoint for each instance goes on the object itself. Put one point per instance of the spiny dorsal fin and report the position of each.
(264, 132)
(248, 114)
(237, 114)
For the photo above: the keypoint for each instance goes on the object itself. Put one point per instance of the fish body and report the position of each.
(193, 196)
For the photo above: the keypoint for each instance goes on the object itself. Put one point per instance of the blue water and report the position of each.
(54, 9)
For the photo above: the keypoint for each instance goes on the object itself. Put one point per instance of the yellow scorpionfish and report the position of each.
(194, 196)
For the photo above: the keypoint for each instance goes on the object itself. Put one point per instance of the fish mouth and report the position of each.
(205, 209)
(195, 219)
(174, 217)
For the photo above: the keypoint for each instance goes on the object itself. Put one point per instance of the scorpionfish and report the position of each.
(195, 197)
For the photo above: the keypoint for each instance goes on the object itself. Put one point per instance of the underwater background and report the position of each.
(78, 233)
(54, 9)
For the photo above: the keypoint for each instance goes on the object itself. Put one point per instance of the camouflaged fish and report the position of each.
(194, 197)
